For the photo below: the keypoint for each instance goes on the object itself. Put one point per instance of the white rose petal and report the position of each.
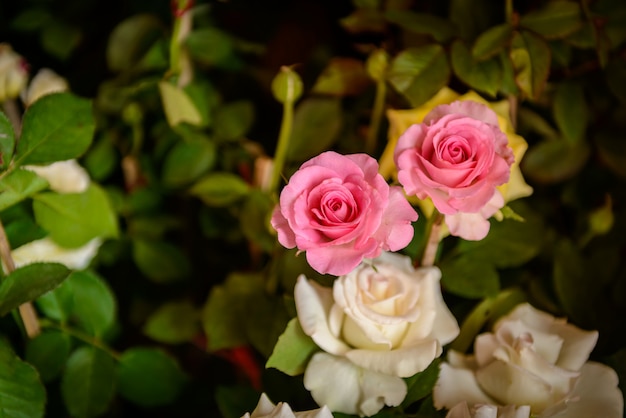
(46, 250)
(532, 359)
(344, 387)
(63, 176)
(596, 394)
(266, 409)
(44, 82)
(462, 410)
(314, 304)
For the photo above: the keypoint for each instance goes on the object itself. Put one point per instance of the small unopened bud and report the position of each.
(287, 85)
(376, 64)
(601, 219)
(13, 73)
(44, 82)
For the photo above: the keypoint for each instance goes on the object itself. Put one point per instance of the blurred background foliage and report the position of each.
(196, 271)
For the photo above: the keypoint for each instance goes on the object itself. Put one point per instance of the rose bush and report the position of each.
(339, 209)
(534, 359)
(381, 322)
(266, 409)
(462, 410)
(456, 157)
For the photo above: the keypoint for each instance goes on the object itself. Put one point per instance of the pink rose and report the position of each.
(457, 157)
(339, 209)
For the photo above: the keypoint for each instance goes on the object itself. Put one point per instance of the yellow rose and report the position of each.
(401, 120)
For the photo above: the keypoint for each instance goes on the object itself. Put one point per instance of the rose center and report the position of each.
(454, 149)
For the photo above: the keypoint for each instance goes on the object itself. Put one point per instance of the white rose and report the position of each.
(44, 82)
(46, 250)
(463, 410)
(13, 73)
(266, 409)
(383, 321)
(63, 176)
(534, 359)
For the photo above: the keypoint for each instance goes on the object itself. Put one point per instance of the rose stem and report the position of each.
(432, 244)
(283, 136)
(27, 312)
(377, 116)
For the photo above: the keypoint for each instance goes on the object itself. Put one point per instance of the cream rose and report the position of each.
(46, 250)
(63, 176)
(383, 321)
(463, 410)
(534, 359)
(44, 82)
(266, 409)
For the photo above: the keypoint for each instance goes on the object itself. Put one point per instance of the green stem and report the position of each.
(433, 233)
(377, 116)
(483, 312)
(508, 10)
(182, 7)
(82, 336)
(283, 145)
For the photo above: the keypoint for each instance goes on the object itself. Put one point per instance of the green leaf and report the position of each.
(556, 20)
(160, 261)
(173, 323)
(187, 161)
(616, 78)
(30, 19)
(130, 40)
(492, 41)
(58, 303)
(48, 352)
(56, 127)
(7, 141)
(29, 282)
(255, 220)
(440, 29)
(102, 159)
(508, 87)
(211, 46)
(570, 111)
(484, 76)
(421, 384)
(472, 17)
(19, 185)
(235, 401)
(499, 249)
(22, 231)
(233, 120)
(530, 55)
(59, 38)
(267, 319)
(75, 219)
(555, 161)
(220, 189)
(178, 106)
(469, 278)
(94, 307)
(88, 383)
(293, 350)
(227, 310)
(419, 73)
(612, 151)
(532, 121)
(21, 391)
(149, 377)
(316, 125)
(344, 77)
